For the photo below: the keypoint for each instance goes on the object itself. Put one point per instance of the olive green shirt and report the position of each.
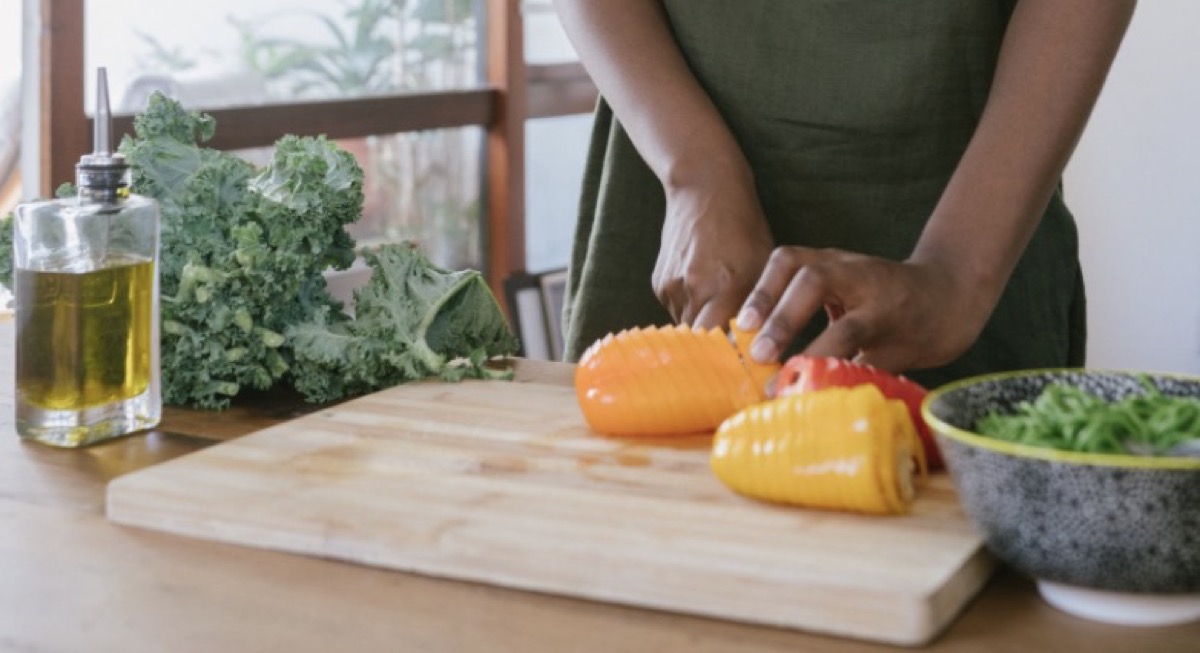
(853, 115)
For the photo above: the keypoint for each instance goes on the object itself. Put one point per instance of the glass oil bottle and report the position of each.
(86, 297)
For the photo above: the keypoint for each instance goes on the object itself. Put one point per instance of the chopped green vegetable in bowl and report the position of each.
(1069, 418)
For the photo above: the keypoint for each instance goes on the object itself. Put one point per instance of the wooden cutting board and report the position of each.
(503, 483)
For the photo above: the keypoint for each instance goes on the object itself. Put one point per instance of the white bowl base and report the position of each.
(1123, 608)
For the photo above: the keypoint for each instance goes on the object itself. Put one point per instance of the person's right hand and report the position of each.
(715, 243)
(894, 315)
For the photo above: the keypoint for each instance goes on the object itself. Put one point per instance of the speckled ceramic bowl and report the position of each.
(1110, 526)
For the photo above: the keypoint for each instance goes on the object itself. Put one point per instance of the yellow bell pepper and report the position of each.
(838, 448)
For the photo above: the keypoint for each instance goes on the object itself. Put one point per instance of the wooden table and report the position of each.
(72, 581)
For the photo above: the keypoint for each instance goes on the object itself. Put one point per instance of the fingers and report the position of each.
(706, 302)
(717, 312)
(776, 276)
(891, 359)
(695, 297)
(720, 301)
(689, 305)
(843, 338)
(893, 315)
(792, 288)
(674, 300)
(669, 289)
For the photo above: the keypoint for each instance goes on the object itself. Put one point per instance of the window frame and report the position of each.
(513, 92)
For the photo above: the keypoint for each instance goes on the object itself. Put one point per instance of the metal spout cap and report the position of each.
(102, 168)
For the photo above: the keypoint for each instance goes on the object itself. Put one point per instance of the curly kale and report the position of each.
(244, 300)
(243, 250)
(6, 251)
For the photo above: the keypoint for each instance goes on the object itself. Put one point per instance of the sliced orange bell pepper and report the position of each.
(839, 448)
(672, 380)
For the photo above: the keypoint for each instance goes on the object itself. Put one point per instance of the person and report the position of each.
(894, 166)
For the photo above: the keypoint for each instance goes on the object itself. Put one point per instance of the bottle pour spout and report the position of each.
(103, 172)
(102, 132)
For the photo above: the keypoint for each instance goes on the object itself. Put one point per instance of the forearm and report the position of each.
(629, 51)
(1052, 65)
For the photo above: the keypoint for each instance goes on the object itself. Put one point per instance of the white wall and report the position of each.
(1134, 186)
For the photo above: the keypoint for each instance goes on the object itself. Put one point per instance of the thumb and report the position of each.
(889, 359)
(843, 338)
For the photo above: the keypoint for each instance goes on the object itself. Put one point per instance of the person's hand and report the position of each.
(895, 316)
(715, 242)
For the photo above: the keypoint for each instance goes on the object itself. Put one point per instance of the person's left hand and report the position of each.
(896, 316)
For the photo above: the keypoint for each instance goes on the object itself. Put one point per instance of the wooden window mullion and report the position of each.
(262, 125)
(505, 177)
(64, 133)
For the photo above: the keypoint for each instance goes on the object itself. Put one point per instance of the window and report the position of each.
(439, 89)
(555, 144)
(421, 186)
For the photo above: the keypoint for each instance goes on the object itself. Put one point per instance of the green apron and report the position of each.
(853, 115)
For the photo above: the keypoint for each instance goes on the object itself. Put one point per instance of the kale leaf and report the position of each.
(412, 320)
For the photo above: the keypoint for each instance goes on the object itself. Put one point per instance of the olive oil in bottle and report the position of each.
(86, 296)
(95, 347)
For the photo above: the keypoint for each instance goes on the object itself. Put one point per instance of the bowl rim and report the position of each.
(1046, 453)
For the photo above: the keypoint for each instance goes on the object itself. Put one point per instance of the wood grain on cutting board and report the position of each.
(502, 482)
